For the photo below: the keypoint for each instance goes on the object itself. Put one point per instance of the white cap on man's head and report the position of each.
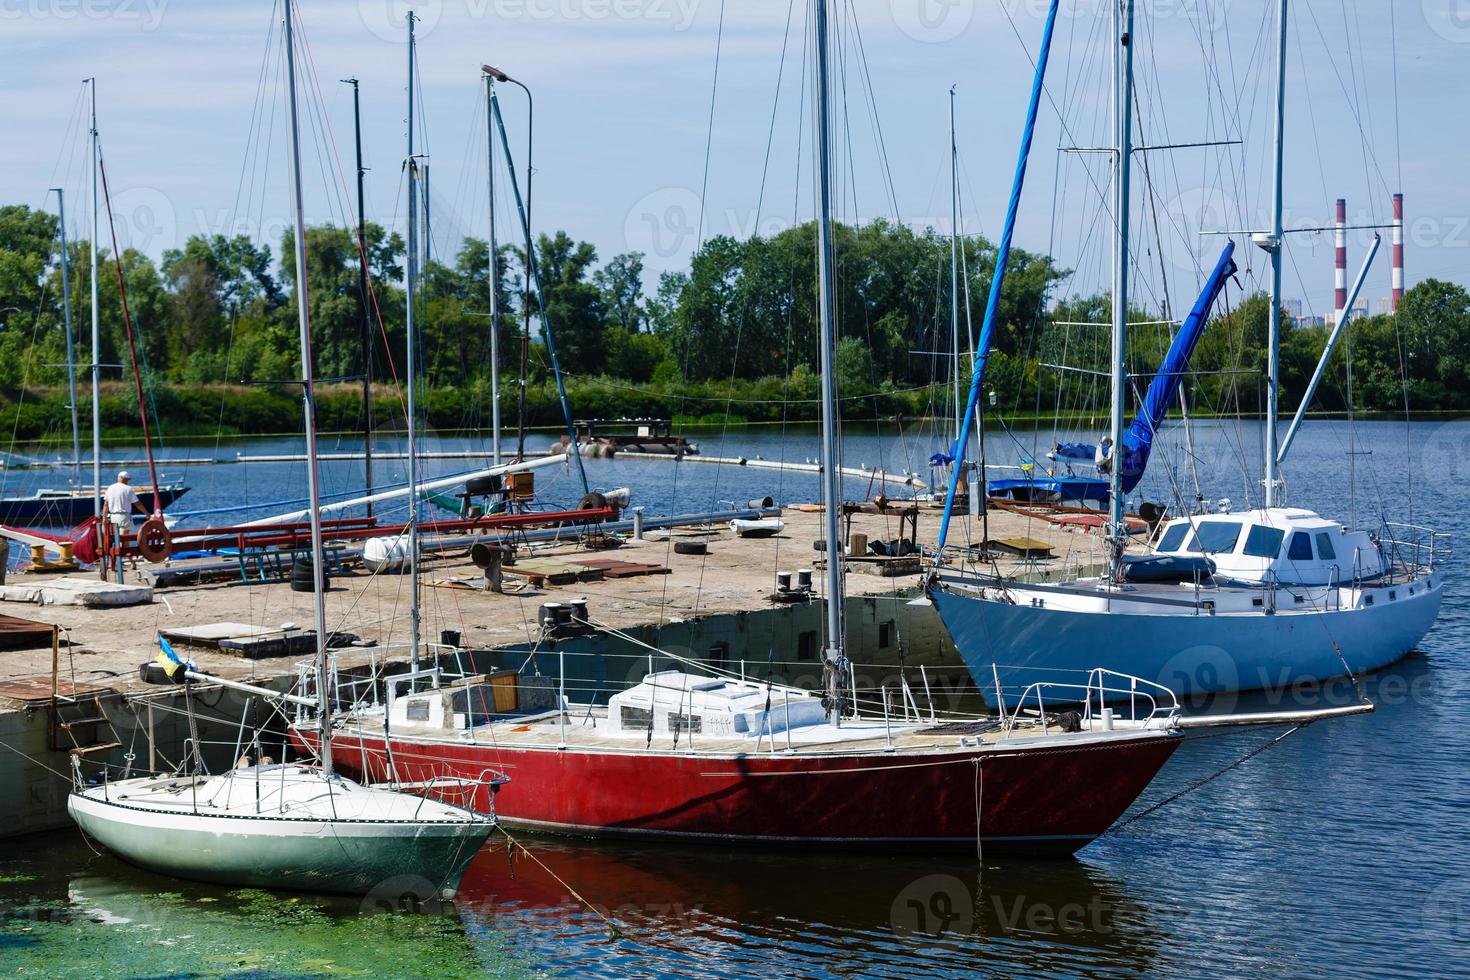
(122, 474)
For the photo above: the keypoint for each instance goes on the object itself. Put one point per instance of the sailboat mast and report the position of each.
(71, 352)
(308, 403)
(954, 278)
(831, 476)
(1122, 164)
(1273, 245)
(494, 272)
(365, 322)
(96, 328)
(412, 369)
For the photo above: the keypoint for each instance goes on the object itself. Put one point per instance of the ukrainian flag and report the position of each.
(170, 661)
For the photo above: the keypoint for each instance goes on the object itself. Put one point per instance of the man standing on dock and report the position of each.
(119, 501)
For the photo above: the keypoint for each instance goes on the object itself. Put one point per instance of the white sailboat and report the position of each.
(1261, 599)
(286, 825)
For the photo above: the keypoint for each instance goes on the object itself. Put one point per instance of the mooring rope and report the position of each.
(1198, 783)
(510, 852)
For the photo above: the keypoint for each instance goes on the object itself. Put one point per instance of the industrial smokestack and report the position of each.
(1339, 275)
(1398, 252)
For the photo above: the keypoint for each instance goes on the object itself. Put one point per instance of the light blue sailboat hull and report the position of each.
(1191, 654)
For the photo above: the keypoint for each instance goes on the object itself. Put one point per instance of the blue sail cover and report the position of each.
(1138, 441)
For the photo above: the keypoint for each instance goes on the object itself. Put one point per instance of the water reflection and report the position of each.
(598, 906)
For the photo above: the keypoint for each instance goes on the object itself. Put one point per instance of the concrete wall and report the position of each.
(35, 781)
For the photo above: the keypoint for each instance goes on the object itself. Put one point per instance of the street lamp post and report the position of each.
(501, 76)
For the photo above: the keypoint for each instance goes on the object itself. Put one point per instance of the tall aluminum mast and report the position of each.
(412, 369)
(834, 659)
(494, 272)
(1122, 169)
(71, 350)
(308, 402)
(96, 327)
(1273, 246)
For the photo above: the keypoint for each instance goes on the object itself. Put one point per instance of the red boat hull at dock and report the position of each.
(1041, 799)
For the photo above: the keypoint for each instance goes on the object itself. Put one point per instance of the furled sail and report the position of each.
(1138, 441)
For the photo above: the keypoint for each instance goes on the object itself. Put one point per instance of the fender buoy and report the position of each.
(592, 501)
(153, 539)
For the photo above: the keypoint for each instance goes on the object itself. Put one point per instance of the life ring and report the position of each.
(153, 539)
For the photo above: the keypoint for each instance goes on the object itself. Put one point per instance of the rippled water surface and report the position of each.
(1343, 850)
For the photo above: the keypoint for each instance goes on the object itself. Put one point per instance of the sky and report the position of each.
(661, 122)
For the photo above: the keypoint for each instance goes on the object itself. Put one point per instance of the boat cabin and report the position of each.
(673, 701)
(1290, 546)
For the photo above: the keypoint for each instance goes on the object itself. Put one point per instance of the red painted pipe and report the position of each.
(348, 529)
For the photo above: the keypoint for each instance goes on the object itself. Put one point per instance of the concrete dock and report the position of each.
(710, 606)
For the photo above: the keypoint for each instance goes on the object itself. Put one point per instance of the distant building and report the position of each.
(1293, 308)
(1384, 305)
(1314, 321)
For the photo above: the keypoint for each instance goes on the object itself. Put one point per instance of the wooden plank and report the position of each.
(615, 568)
(39, 689)
(24, 634)
(1020, 545)
(557, 571)
(210, 634)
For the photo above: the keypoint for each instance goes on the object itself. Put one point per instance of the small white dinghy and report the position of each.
(282, 826)
(386, 554)
(764, 527)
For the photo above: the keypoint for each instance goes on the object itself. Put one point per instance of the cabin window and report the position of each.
(1263, 541)
(417, 710)
(684, 723)
(806, 645)
(1300, 548)
(1217, 537)
(719, 654)
(635, 717)
(1173, 538)
(885, 634)
(1325, 551)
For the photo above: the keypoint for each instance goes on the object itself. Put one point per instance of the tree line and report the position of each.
(740, 322)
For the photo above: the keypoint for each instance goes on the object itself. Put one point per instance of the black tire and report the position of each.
(593, 501)
(154, 673)
(301, 577)
(691, 548)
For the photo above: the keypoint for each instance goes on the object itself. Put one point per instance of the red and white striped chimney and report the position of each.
(1398, 251)
(1339, 275)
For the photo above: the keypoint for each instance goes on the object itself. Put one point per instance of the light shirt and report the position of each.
(120, 498)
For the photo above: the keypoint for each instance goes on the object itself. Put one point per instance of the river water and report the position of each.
(1342, 850)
